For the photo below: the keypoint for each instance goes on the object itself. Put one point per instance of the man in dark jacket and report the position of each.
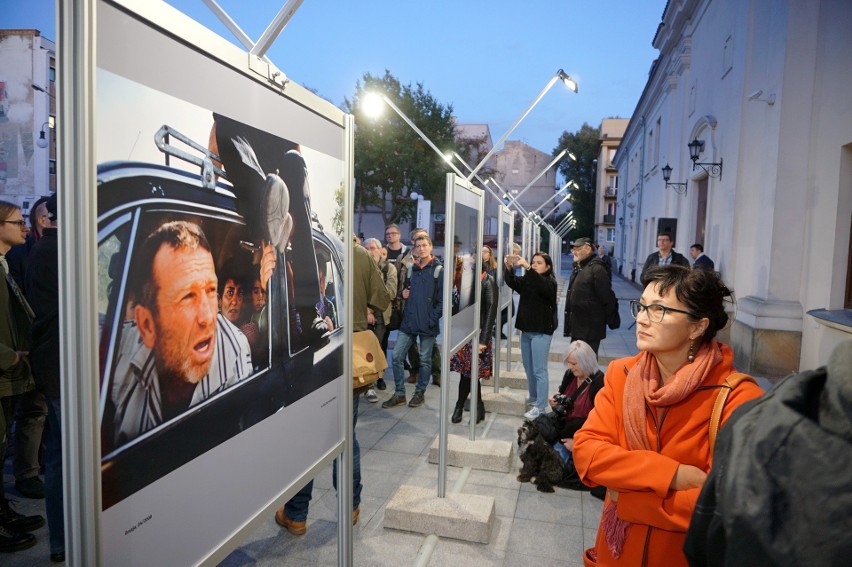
(700, 260)
(424, 303)
(779, 491)
(590, 300)
(665, 255)
(43, 294)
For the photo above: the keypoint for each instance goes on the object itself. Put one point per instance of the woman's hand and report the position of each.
(686, 477)
(405, 293)
(482, 348)
(552, 402)
(371, 317)
(613, 495)
(569, 443)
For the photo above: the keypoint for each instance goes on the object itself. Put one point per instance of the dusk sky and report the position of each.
(488, 60)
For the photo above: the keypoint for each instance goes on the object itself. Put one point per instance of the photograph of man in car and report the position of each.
(178, 351)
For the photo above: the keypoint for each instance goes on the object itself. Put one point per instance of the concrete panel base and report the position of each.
(482, 454)
(512, 379)
(467, 517)
(509, 402)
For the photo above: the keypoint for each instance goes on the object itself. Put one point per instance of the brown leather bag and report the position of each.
(368, 359)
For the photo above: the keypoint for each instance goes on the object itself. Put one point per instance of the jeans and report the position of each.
(400, 349)
(53, 476)
(535, 351)
(297, 507)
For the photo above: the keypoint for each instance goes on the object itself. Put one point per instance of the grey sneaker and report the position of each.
(395, 400)
(416, 400)
(371, 396)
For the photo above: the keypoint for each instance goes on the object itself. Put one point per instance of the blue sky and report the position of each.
(488, 59)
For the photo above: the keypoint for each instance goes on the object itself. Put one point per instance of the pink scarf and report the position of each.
(643, 386)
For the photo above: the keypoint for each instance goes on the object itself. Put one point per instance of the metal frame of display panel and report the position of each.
(82, 27)
(505, 236)
(459, 193)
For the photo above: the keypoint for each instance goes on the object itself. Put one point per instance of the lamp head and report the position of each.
(42, 140)
(372, 104)
(569, 82)
(696, 146)
(667, 173)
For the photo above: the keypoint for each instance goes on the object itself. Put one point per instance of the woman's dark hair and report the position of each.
(547, 260)
(702, 291)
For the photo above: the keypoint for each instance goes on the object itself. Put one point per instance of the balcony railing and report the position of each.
(609, 219)
(610, 192)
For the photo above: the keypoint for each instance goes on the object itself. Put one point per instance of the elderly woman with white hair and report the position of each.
(576, 397)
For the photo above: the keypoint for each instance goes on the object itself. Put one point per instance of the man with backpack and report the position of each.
(421, 315)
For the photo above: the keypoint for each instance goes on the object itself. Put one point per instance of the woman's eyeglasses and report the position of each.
(655, 311)
(20, 223)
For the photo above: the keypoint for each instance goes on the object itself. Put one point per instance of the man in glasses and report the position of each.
(590, 300)
(394, 243)
(665, 254)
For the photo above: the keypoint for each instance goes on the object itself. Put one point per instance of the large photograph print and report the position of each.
(219, 286)
(467, 244)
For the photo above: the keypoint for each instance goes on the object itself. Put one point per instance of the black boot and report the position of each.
(480, 412)
(457, 413)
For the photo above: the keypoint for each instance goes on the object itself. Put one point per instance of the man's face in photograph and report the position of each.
(182, 329)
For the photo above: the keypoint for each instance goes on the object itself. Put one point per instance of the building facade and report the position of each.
(763, 87)
(27, 116)
(606, 181)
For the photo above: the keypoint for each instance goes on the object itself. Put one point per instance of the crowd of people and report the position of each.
(636, 437)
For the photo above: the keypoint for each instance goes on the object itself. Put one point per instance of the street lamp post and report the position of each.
(560, 75)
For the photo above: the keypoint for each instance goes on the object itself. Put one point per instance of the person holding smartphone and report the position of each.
(536, 319)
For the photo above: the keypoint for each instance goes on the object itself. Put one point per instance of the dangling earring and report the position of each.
(691, 354)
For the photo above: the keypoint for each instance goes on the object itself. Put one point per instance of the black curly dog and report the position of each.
(541, 464)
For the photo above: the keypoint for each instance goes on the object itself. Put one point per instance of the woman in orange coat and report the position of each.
(647, 439)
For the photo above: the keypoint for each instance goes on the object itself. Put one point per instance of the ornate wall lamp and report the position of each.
(695, 148)
(680, 188)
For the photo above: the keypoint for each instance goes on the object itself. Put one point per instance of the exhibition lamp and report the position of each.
(372, 106)
(696, 146)
(559, 76)
(680, 188)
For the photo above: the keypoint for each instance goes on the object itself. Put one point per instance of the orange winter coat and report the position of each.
(680, 433)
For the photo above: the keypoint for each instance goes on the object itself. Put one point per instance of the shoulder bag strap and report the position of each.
(731, 382)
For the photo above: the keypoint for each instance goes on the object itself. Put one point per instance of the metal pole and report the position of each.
(540, 96)
(557, 206)
(556, 194)
(276, 26)
(78, 325)
(232, 26)
(420, 133)
(345, 468)
(543, 171)
(446, 344)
